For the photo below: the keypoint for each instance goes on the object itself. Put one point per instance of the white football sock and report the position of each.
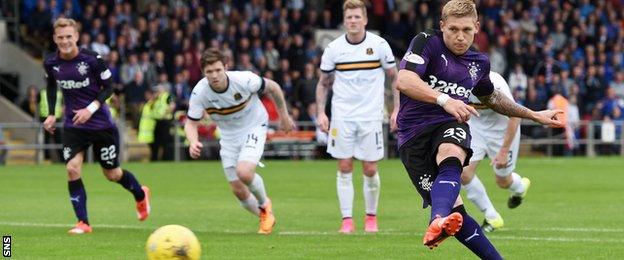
(257, 189)
(344, 184)
(251, 204)
(371, 193)
(516, 184)
(475, 191)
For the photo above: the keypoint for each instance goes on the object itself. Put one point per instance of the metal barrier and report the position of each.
(304, 150)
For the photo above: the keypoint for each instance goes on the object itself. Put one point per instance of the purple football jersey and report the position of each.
(80, 79)
(457, 76)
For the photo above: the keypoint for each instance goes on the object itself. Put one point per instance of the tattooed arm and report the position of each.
(275, 91)
(498, 102)
(324, 84)
(392, 75)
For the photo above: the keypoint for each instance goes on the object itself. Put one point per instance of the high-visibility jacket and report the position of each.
(147, 124)
(161, 107)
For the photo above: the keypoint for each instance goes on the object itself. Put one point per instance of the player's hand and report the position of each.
(322, 122)
(393, 121)
(502, 158)
(549, 118)
(460, 110)
(286, 123)
(50, 124)
(81, 116)
(195, 149)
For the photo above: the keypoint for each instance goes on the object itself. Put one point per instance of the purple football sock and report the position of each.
(473, 237)
(445, 187)
(78, 198)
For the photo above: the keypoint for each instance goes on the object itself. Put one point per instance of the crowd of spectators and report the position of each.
(543, 48)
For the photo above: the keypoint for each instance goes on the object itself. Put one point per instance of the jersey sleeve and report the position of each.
(327, 61)
(385, 55)
(255, 83)
(103, 75)
(196, 106)
(484, 87)
(416, 59)
(101, 69)
(50, 88)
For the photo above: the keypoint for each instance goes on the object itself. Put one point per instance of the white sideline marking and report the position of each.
(493, 236)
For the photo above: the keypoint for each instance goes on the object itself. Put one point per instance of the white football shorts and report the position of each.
(489, 143)
(245, 148)
(363, 140)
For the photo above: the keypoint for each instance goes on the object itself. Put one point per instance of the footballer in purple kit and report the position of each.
(437, 75)
(84, 79)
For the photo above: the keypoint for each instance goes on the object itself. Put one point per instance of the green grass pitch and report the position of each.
(573, 210)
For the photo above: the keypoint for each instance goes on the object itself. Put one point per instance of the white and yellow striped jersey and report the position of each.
(359, 76)
(489, 120)
(236, 110)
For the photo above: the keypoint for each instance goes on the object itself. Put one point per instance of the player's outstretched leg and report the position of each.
(519, 187)
(475, 191)
(473, 237)
(141, 193)
(78, 198)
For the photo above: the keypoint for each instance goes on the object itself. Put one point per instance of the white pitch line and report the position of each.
(493, 236)
(564, 229)
(559, 239)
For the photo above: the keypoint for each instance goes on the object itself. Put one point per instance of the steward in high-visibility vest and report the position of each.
(147, 123)
(163, 113)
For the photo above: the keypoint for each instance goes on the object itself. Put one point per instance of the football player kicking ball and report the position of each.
(85, 81)
(437, 75)
(498, 136)
(231, 100)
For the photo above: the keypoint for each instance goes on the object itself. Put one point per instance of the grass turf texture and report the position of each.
(572, 211)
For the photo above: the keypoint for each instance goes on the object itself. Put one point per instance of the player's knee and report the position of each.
(447, 150)
(245, 174)
(73, 170)
(370, 168)
(112, 174)
(345, 165)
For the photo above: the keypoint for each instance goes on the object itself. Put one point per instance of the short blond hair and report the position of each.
(65, 22)
(355, 4)
(459, 8)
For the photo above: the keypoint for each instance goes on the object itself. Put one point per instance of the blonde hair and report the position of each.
(355, 4)
(65, 22)
(459, 8)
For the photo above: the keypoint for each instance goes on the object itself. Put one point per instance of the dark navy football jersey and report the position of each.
(457, 76)
(81, 80)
